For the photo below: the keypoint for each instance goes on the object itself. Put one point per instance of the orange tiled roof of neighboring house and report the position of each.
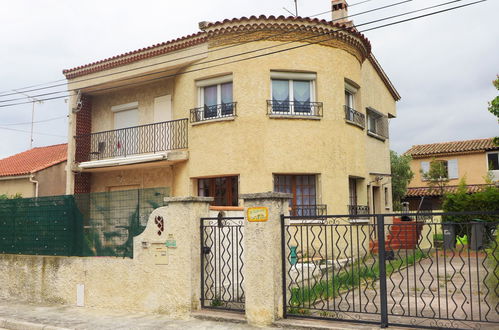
(423, 150)
(33, 160)
(427, 191)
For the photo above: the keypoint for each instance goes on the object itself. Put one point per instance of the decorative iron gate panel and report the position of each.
(222, 263)
(393, 269)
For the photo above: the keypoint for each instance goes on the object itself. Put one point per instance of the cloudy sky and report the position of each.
(442, 65)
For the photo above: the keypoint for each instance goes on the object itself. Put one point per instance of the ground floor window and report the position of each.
(224, 189)
(303, 189)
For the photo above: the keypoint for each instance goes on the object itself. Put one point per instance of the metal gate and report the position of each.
(424, 270)
(222, 263)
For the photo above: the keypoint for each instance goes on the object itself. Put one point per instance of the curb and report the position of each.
(13, 324)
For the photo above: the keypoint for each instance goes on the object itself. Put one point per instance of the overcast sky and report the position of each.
(442, 65)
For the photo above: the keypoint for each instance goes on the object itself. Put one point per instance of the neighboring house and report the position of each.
(35, 172)
(312, 121)
(473, 160)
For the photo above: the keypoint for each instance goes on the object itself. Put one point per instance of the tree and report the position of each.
(437, 176)
(401, 176)
(494, 106)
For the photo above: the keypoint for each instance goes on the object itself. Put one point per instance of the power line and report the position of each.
(287, 49)
(193, 55)
(3, 93)
(36, 122)
(29, 132)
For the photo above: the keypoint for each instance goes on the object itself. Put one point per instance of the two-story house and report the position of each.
(245, 105)
(477, 161)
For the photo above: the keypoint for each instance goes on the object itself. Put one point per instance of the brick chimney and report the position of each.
(339, 11)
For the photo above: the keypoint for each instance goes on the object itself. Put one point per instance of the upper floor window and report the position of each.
(293, 94)
(377, 124)
(493, 161)
(440, 168)
(224, 189)
(352, 116)
(215, 99)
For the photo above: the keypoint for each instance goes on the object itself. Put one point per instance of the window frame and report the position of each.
(219, 109)
(377, 116)
(488, 162)
(291, 77)
(231, 181)
(294, 187)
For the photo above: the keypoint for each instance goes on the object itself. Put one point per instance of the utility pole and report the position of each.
(33, 101)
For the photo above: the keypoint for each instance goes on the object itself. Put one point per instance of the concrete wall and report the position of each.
(146, 177)
(17, 186)
(473, 167)
(52, 180)
(169, 285)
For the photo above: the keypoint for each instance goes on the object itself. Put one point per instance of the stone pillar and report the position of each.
(262, 257)
(176, 227)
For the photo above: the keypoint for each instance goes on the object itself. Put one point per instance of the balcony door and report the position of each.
(161, 137)
(126, 137)
(303, 189)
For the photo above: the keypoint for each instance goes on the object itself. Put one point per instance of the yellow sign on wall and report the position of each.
(258, 214)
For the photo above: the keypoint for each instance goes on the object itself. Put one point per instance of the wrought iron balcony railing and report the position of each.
(358, 209)
(209, 112)
(294, 108)
(143, 139)
(355, 117)
(309, 210)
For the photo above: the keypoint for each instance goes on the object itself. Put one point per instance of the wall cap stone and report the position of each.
(190, 199)
(267, 195)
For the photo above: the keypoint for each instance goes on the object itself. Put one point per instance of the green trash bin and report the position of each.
(477, 241)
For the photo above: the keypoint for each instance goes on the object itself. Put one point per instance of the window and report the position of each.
(493, 161)
(304, 193)
(448, 168)
(215, 99)
(377, 124)
(293, 94)
(223, 189)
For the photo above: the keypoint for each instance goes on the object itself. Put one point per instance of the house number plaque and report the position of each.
(258, 214)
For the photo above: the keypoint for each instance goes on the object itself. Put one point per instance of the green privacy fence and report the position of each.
(95, 224)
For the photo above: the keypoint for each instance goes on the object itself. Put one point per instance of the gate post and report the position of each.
(263, 256)
(380, 220)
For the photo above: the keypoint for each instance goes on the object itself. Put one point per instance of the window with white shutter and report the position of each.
(425, 167)
(452, 169)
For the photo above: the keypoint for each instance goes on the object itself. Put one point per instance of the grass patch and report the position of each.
(350, 277)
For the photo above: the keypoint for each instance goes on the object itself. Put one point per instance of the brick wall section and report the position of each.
(83, 127)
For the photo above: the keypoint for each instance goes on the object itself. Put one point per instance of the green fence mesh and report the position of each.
(95, 224)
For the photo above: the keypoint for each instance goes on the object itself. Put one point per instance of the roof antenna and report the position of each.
(296, 9)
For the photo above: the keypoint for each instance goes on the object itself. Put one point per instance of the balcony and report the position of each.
(377, 124)
(132, 141)
(354, 117)
(277, 108)
(309, 210)
(213, 112)
(358, 210)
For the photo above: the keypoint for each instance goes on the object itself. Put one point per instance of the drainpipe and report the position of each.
(32, 176)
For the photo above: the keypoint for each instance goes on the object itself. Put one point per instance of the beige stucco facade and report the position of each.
(253, 145)
(17, 185)
(51, 182)
(472, 167)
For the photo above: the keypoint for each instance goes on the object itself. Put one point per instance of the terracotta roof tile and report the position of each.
(33, 160)
(421, 150)
(427, 191)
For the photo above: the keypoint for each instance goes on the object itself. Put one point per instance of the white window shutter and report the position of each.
(425, 167)
(452, 168)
